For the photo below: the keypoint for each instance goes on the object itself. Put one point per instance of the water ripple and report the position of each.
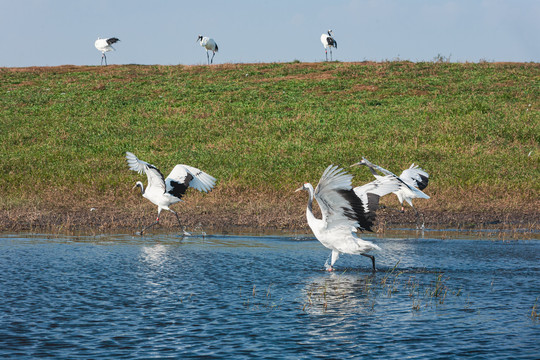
(265, 297)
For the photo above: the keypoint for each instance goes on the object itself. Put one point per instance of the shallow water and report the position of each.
(241, 296)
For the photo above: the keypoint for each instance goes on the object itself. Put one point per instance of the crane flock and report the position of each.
(209, 44)
(345, 210)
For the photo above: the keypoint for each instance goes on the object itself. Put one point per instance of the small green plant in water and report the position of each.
(534, 312)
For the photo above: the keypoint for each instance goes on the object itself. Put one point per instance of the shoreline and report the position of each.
(102, 220)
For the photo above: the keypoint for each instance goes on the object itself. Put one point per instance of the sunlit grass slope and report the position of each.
(266, 128)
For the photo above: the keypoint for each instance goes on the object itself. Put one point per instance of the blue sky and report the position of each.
(57, 32)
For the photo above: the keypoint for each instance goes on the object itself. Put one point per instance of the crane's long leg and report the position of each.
(207, 58)
(372, 260)
(149, 226)
(326, 54)
(212, 61)
(418, 214)
(330, 53)
(184, 232)
(102, 55)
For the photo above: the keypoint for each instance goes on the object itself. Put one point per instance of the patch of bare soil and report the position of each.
(212, 213)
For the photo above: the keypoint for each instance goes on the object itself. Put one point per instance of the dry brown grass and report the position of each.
(236, 207)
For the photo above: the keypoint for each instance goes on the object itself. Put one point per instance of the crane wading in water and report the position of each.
(163, 192)
(344, 210)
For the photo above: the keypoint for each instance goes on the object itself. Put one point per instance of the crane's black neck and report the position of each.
(372, 170)
(139, 184)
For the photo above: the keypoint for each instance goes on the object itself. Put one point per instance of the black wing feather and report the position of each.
(423, 183)
(178, 189)
(112, 40)
(331, 41)
(356, 212)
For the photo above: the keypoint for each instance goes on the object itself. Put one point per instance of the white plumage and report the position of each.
(105, 45)
(164, 192)
(370, 193)
(415, 179)
(343, 211)
(210, 45)
(328, 41)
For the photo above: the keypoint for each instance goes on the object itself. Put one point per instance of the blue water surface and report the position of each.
(229, 296)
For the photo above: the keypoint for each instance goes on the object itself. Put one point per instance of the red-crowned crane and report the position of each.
(344, 210)
(210, 45)
(415, 179)
(105, 45)
(164, 192)
(328, 41)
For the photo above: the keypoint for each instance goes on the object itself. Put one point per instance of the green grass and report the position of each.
(256, 126)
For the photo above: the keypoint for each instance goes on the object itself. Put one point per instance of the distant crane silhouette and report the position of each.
(105, 45)
(210, 45)
(328, 41)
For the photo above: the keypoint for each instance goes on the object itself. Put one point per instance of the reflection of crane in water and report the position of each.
(344, 210)
(339, 293)
(414, 178)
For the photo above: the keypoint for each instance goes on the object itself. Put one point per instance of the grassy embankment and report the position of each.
(262, 130)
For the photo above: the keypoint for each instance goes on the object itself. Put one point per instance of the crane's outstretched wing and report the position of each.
(155, 177)
(340, 207)
(112, 40)
(410, 175)
(415, 176)
(370, 193)
(184, 176)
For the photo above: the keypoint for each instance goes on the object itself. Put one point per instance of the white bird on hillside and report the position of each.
(165, 192)
(344, 210)
(105, 45)
(415, 179)
(328, 41)
(210, 45)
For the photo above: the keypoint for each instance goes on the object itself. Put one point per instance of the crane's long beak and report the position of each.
(134, 186)
(356, 164)
(300, 188)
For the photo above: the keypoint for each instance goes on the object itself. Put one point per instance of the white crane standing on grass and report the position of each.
(415, 179)
(328, 41)
(165, 192)
(210, 45)
(344, 210)
(105, 45)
